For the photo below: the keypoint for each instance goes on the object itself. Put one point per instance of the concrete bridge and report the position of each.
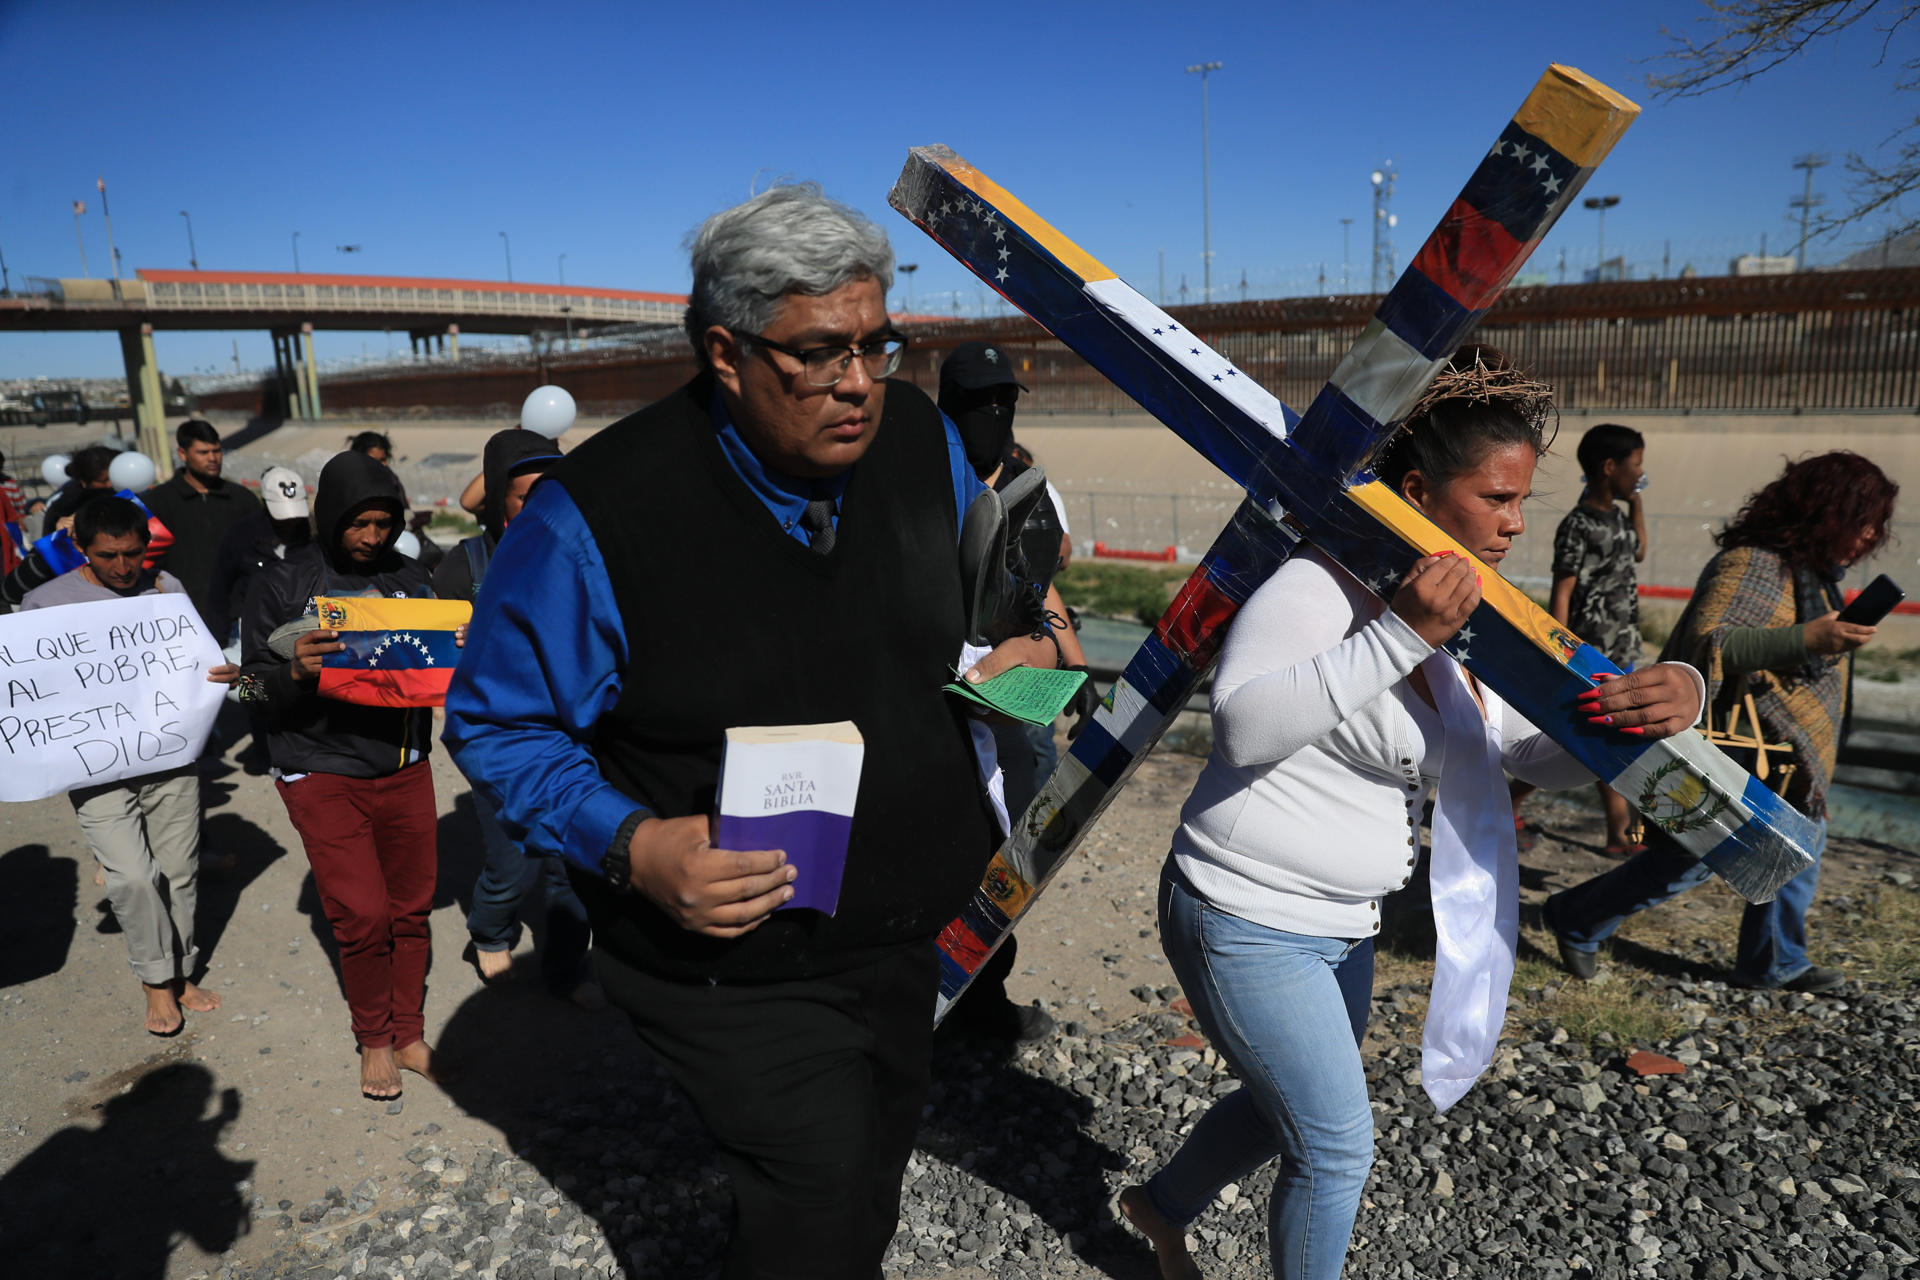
(293, 305)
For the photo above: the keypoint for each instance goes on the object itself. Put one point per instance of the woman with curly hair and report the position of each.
(1764, 620)
(1334, 714)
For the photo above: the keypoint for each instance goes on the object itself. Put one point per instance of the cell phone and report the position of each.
(1873, 604)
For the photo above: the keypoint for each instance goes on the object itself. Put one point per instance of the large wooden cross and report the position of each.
(1305, 479)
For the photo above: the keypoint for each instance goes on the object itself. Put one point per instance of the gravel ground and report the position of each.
(1788, 1147)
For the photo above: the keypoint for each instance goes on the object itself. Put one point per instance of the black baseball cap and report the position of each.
(973, 365)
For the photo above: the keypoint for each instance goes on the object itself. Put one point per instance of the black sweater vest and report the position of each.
(731, 621)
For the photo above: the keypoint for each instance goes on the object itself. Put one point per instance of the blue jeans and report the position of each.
(1287, 1011)
(1027, 759)
(511, 877)
(1773, 935)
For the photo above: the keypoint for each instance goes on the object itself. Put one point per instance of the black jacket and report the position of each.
(198, 521)
(308, 733)
(248, 547)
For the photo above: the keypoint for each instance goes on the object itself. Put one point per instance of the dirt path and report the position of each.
(295, 1125)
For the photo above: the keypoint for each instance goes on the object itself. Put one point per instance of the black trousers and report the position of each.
(812, 1090)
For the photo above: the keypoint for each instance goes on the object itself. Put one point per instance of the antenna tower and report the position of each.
(1806, 203)
(1384, 221)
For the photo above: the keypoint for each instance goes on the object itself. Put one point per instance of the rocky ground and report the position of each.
(1788, 1147)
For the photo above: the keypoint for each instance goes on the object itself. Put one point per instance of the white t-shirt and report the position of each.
(1308, 809)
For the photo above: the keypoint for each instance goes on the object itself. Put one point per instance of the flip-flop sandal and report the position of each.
(1624, 850)
(168, 1035)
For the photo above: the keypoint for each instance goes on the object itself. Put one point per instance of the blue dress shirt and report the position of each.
(547, 648)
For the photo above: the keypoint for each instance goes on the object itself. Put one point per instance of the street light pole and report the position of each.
(907, 269)
(79, 237)
(193, 256)
(113, 254)
(1346, 251)
(508, 246)
(566, 307)
(1206, 205)
(1602, 204)
(296, 253)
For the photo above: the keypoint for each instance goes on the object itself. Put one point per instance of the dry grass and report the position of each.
(1619, 1004)
(1886, 938)
(1878, 939)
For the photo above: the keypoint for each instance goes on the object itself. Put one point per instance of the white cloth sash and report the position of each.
(1476, 890)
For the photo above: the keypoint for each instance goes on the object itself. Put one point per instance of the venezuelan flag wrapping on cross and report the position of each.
(400, 653)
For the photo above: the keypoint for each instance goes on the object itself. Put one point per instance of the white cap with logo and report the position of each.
(284, 492)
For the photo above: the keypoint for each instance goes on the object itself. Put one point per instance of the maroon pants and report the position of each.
(371, 843)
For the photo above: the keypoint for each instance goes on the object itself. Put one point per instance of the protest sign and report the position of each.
(97, 692)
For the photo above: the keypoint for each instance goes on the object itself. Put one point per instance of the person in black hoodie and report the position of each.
(514, 462)
(355, 779)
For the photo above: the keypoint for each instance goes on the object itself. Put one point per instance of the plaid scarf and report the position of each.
(1807, 707)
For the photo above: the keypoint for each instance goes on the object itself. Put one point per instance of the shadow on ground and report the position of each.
(578, 1098)
(462, 854)
(258, 427)
(253, 850)
(41, 892)
(110, 1202)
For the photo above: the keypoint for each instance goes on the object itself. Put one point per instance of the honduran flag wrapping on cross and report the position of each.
(399, 653)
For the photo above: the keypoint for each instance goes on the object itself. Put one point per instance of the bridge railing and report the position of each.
(560, 306)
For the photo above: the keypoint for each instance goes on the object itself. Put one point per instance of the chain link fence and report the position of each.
(1679, 544)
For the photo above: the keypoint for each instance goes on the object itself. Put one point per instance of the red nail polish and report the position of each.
(1634, 729)
(1599, 719)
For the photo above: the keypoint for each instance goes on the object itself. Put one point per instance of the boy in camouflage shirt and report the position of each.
(1595, 594)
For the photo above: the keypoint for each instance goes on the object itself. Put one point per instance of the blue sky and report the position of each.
(607, 132)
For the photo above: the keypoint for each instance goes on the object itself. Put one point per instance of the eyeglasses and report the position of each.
(825, 366)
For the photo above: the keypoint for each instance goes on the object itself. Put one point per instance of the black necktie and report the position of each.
(817, 520)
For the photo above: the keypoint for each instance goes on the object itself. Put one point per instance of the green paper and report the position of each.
(1031, 694)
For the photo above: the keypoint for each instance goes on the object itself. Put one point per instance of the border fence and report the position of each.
(1823, 341)
(1678, 543)
(1816, 340)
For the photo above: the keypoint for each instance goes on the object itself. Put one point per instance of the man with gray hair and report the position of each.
(774, 543)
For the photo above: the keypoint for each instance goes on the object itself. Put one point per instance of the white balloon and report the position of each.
(133, 471)
(407, 545)
(53, 469)
(549, 411)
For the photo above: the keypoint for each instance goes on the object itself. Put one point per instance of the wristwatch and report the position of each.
(616, 864)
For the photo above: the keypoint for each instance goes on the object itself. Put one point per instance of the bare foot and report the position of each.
(1169, 1242)
(418, 1058)
(163, 1011)
(379, 1076)
(493, 965)
(99, 876)
(196, 999)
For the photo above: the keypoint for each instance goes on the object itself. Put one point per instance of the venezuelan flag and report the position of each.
(400, 653)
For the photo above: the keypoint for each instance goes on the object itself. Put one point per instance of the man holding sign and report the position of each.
(144, 830)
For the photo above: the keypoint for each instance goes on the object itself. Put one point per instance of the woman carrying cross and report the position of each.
(1334, 713)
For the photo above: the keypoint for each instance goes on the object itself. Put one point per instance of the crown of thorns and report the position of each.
(1468, 379)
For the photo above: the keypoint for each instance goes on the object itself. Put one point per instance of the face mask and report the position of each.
(986, 431)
